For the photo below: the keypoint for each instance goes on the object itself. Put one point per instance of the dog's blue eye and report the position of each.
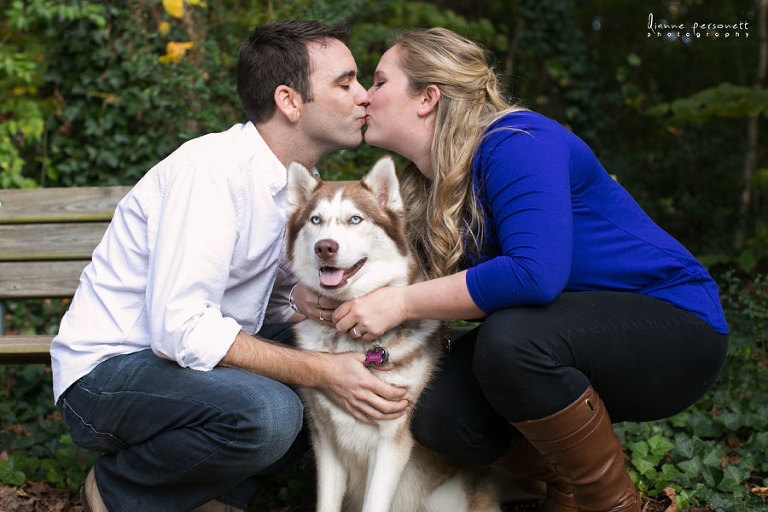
(315, 219)
(355, 219)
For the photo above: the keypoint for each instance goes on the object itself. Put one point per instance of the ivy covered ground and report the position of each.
(713, 456)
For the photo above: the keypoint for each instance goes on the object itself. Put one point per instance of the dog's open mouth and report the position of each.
(332, 277)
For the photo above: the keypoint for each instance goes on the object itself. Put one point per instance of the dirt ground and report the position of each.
(42, 497)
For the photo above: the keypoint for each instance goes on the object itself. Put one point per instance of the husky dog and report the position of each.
(345, 241)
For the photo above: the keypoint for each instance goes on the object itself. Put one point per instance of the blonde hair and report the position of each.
(443, 214)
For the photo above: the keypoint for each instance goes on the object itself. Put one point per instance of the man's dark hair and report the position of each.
(276, 54)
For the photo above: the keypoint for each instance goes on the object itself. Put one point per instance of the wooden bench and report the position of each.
(47, 236)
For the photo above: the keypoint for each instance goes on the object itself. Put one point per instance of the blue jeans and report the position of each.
(175, 438)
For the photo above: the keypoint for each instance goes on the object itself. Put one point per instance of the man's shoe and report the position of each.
(90, 496)
(216, 506)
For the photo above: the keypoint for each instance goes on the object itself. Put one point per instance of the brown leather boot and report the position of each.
(579, 444)
(523, 460)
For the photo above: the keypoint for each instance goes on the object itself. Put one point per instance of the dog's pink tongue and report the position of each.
(331, 276)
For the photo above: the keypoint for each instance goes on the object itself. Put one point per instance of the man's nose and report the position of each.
(363, 96)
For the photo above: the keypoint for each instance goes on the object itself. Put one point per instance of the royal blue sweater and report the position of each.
(556, 221)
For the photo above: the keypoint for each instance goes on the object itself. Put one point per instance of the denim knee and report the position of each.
(263, 427)
(84, 433)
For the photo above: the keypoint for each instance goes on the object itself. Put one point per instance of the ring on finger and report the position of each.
(321, 315)
(354, 332)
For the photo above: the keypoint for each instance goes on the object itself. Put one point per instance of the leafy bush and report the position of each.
(36, 442)
(716, 452)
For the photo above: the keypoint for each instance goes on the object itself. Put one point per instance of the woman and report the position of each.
(589, 308)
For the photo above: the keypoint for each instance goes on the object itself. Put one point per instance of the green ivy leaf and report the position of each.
(711, 476)
(684, 446)
(54, 472)
(669, 472)
(703, 425)
(660, 445)
(731, 421)
(733, 480)
(639, 448)
(11, 470)
(693, 467)
(644, 466)
(713, 457)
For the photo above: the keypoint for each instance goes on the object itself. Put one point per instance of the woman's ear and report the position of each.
(429, 100)
(289, 102)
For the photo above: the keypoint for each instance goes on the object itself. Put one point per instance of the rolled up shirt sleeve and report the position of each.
(189, 267)
(279, 307)
(524, 180)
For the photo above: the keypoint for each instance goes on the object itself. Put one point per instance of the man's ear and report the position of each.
(289, 102)
(429, 100)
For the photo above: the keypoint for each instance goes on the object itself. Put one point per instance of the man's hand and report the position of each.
(357, 390)
(342, 377)
(313, 305)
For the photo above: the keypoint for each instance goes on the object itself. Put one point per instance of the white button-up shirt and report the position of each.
(190, 258)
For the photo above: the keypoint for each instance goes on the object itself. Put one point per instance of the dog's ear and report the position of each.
(382, 180)
(301, 183)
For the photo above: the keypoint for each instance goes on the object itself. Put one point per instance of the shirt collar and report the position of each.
(272, 169)
(275, 171)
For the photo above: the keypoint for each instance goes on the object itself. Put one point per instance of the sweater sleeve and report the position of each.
(523, 177)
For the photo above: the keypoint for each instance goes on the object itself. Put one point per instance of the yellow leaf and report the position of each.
(164, 27)
(174, 7)
(180, 48)
(175, 51)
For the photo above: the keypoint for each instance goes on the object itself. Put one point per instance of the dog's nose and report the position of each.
(326, 249)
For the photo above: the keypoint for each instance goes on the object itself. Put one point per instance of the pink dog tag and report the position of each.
(376, 356)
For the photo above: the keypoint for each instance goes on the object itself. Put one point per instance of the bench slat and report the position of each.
(19, 242)
(40, 279)
(25, 349)
(59, 204)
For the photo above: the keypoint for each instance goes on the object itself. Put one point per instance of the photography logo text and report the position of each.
(696, 30)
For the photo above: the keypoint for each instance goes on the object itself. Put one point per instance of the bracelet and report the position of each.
(290, 300)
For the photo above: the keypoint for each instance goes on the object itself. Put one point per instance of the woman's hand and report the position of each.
(358, 391)
(313, 305)
(368, 317)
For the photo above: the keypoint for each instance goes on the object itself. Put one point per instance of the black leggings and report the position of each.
(645, 358)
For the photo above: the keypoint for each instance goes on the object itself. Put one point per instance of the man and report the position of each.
(154, 364)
